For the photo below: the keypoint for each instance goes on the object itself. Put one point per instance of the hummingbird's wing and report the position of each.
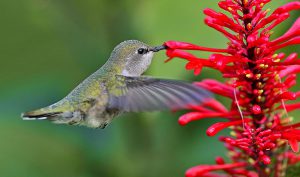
(134, 94)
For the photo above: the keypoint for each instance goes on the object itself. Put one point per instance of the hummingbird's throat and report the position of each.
(137, 66)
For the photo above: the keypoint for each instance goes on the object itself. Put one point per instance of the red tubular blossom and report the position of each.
(181, 54)
(201, 170)
(292, 32)
(257, 83)
(194, 63)
(293, 41)
(223, 20)
(217, 106)
(287, 7)
(215, 128)
(189, 46)
(192, 116)
(293, 158)
(213, 24)
(217, 87)
(293, 137)
(290, 107)
(293, 69)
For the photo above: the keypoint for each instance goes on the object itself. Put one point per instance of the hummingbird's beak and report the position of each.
(158, 48)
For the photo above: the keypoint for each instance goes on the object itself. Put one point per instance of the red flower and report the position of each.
(259, 79)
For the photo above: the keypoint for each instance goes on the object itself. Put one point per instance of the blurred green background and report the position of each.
(47, 47)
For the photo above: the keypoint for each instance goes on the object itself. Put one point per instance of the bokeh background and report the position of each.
(47, 47)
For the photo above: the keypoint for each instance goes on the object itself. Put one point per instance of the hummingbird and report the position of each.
(118, 87)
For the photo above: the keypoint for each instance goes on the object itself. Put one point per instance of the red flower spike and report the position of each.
(258, 83)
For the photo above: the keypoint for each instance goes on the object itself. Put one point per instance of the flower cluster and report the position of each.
(258, 84)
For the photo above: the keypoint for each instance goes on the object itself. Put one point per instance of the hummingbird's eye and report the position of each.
(142, 51)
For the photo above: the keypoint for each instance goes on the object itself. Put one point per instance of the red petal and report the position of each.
(190, 65)
(266, 159)
(294, 145)
(197, 71)
(256, 109)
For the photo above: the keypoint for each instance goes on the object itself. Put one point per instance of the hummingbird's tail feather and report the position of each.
(40, 114)
(55, 115)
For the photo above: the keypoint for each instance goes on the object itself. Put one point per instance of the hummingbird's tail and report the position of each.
(40, 114)
(57, 113)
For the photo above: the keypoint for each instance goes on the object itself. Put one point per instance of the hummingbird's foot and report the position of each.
(73, 123)
(102, 126)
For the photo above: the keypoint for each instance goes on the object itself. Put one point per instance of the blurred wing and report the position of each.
(134, 94)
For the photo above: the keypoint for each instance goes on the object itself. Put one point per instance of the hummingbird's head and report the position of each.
(135, 56)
